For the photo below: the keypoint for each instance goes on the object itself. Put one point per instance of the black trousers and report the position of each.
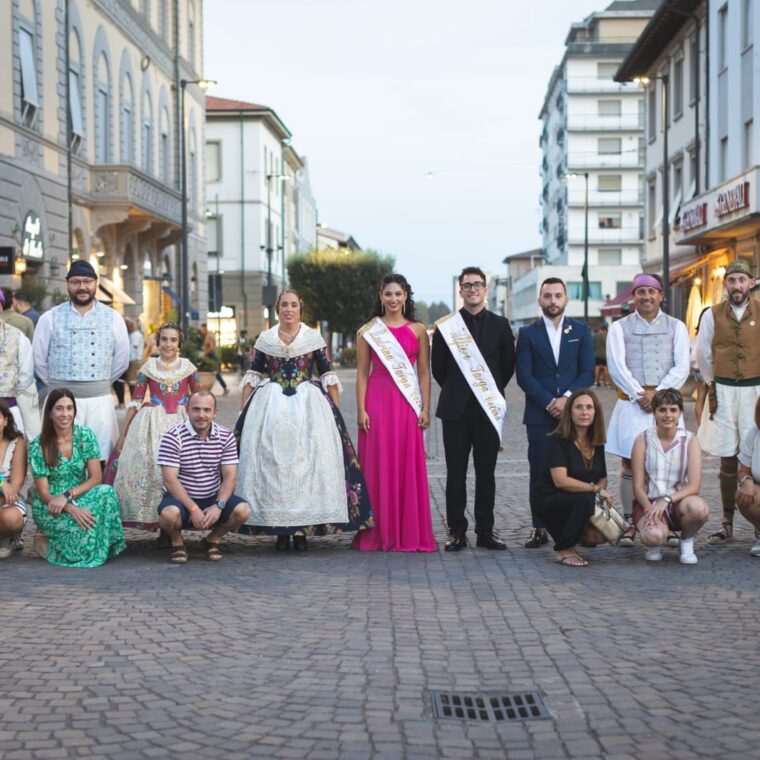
(474, 432)
(538, 446)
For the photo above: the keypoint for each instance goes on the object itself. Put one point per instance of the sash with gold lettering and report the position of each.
(474, 368)
(395, 360)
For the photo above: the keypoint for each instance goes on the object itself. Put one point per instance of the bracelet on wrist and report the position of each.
(743, 478)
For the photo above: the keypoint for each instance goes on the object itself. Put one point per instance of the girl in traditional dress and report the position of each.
(12, 476)
(159, 401)
(298, 468)
(393, 411)
(77, 517)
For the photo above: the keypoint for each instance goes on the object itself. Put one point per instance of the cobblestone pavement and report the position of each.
(334, 654)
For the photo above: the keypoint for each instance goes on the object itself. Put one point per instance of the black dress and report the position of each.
(565, 513)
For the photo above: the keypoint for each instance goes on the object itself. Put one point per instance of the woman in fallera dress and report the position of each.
(298, 468)
(393, 411)
(159, 401)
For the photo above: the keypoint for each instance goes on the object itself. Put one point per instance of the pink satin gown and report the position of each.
(392, 457)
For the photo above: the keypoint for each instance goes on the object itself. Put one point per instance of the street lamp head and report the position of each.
(641, 80)
(204, 84)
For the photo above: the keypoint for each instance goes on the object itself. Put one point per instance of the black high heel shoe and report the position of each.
(282, 544)
(300, 544)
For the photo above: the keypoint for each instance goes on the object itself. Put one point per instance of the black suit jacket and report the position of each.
(497, 345)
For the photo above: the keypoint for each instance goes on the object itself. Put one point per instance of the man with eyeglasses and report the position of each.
(83, 345)
(471, 417)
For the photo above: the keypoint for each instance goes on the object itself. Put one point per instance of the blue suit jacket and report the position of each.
(541, 377)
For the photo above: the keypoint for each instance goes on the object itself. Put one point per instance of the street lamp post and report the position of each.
(585, 244)
(665, 100)
(184, 254)
(268, 291)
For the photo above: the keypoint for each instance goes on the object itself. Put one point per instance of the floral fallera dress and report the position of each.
(161, 396)
(68, 544)
(298, 467)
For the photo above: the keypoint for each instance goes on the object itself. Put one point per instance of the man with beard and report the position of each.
(555, 356)
(83, 345)
(728, 355)
(646, 351)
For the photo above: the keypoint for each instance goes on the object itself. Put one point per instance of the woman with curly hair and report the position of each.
(13, 508)
(393, 412)
(298, 468)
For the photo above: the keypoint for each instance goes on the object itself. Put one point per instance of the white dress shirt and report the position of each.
(555, 335)
(41, 344)
(705, 340)
(621, 375)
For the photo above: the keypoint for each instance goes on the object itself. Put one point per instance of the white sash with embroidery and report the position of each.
(474, 368)
(395, 360)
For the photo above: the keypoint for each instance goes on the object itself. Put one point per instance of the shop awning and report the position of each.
(614, 307)
(108, 292)
(178, 301)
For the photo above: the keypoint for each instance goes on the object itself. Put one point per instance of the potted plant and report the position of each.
(192, 349)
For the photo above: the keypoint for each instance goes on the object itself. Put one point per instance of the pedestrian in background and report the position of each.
(666, 463)
(473, 359)
(601, 375)
(646, 351)
(12, 317)
(136, 352)
(209, 352)
(555, 356)
(393, 403)
(574, 477)
(23, 305)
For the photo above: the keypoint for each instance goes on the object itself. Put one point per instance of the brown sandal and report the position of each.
(212, 551)
(178, 555)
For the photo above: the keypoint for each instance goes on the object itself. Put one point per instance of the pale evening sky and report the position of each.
(378, 93)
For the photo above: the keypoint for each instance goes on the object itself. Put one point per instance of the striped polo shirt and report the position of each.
(199, 460)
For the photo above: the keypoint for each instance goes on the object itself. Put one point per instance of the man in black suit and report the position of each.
(466, 427)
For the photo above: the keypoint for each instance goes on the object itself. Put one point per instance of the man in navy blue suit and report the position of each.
(555, 356)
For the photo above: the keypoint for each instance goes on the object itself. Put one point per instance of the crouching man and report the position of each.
(198, 459)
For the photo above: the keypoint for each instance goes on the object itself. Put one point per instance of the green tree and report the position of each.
(437, 310)
(338, 286)
(421, 312)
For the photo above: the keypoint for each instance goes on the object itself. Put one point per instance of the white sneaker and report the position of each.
(654, 554)
(687, 555)
(755, 550)
(7, 546)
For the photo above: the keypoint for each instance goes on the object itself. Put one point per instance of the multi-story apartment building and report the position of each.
(713, 145)
(259, 209)
(592, 144)
(90, 147)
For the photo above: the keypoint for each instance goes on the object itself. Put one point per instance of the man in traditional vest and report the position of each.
(555, 356)
(16, 372)
(646, 351)
(83, 345)
(728, 355)
(479, 343)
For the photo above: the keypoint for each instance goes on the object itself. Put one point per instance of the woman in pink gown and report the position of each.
(391, 443)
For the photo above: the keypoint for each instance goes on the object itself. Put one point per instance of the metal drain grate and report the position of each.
(512, 706)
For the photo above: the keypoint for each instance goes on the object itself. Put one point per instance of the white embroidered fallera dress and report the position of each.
(298, 469)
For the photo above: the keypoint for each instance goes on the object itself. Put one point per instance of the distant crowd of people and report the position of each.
(289, 468)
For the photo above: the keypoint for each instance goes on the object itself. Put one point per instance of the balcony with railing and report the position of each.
(605, 198)
(610, 236)
(578, 161)
(595, 122)
(580, 85)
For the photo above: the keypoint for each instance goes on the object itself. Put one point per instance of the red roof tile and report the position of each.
(225, 104)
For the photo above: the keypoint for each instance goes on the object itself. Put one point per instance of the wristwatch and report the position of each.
(667, 500)
(221, 504)
(69, 495)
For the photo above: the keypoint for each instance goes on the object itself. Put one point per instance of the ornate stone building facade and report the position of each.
(108, 188)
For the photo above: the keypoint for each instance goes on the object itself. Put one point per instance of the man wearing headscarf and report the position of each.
(728, 355)
(646, 351)
(83, 345)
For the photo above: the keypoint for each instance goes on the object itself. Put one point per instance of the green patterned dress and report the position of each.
(68, 544)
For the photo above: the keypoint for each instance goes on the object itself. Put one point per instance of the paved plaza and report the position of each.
(334, 654)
